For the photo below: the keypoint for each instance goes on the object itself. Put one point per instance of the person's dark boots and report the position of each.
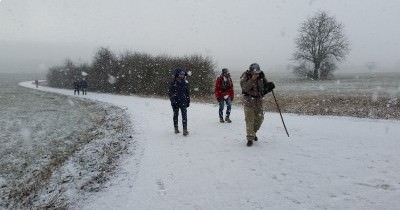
(185, 132)
(227, 119)
(249, 143)
(176, 130)
(221, 120)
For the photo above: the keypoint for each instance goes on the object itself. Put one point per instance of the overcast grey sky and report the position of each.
(234, 33)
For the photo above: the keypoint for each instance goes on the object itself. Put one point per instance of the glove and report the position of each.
(188, 104)
(271, 86)
(268, 87)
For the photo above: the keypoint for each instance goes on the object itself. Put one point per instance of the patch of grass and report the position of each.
(354, 105)
(82, 161)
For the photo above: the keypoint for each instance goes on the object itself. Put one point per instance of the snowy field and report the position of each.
(327, 163)
(55, 148)
(372, 83)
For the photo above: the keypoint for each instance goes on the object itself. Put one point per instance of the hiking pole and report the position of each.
(277, 105)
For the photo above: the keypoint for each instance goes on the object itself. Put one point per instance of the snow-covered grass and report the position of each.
(366, 95)
(50, 142)
(327, 163)
(341, 83)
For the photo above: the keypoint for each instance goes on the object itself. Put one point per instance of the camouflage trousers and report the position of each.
(254, 117)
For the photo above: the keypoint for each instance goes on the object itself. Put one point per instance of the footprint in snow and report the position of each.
(161, 187)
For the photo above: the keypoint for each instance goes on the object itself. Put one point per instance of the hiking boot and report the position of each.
(249, 143)
(185, 132)
(227, 119)
(221, 120)
(176, 130)
(256, 138)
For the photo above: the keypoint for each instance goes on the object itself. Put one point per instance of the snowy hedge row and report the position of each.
(137, 73)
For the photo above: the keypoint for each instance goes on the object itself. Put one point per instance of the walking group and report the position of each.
(81, 85)
(254, 87)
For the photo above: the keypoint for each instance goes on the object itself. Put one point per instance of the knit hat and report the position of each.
(255, 67)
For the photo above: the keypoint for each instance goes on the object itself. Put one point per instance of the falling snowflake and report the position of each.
(26, 134)
(111, 79)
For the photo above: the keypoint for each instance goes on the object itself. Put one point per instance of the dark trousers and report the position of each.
(228, 107)
(76, 91)
(83, 91)
(176, 114)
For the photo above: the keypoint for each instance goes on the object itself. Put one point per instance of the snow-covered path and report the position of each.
(327, 163)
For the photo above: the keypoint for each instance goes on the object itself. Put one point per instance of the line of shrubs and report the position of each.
(134, 73)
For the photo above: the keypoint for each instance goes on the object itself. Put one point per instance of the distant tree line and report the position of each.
(134, 73)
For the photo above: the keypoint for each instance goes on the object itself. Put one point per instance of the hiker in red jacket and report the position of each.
(224, 93)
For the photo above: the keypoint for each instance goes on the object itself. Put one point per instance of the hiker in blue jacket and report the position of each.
(179, 95)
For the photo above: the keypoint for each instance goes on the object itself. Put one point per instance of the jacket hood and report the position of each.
(178, 71)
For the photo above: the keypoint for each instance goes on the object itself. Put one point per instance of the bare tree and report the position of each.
(321, 40)
(105, 68)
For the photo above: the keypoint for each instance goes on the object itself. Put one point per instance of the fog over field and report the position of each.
(40, 33)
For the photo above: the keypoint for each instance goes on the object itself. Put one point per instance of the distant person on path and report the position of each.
(223, 91)
(77, 87)
(254, 86)
(84, 86)
(37, 83)
(180, 99)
